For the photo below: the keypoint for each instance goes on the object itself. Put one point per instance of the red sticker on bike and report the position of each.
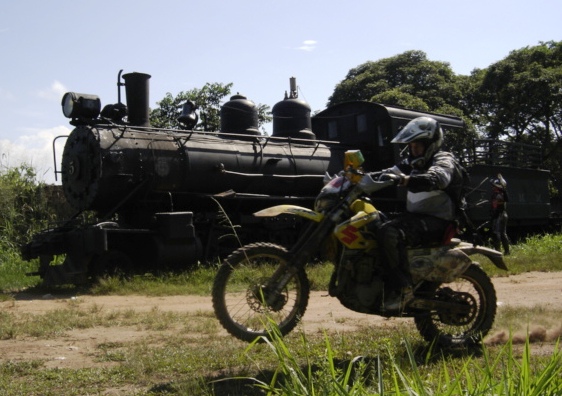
(350, 233)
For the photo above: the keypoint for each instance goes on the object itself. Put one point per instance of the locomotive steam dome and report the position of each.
(239, 115)
(291, 118)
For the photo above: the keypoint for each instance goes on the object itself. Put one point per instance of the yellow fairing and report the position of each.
(352, 233)
(290, 209)
(362, 206)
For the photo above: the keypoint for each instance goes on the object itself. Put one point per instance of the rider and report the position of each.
(434, 182)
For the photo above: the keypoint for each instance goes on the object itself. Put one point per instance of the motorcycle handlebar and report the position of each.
(369, 185)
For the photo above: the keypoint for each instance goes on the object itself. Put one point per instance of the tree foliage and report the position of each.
(519, 99)
(23, 206)
(408, 79)
(208, 102)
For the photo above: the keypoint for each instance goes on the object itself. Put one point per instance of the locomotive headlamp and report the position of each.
(77, 105)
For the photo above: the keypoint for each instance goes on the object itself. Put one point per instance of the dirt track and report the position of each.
(74, 348)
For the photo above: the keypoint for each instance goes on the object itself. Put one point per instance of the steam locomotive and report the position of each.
(171, 198)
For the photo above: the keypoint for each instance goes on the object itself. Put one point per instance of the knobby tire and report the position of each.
(460, 330)
(238, 291)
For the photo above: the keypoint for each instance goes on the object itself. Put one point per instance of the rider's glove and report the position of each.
(396, 179)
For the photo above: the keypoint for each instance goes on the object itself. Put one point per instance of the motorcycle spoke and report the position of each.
(471, 313)
(244, 295)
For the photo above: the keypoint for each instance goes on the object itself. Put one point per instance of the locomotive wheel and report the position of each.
(243, 303)
(474, 290)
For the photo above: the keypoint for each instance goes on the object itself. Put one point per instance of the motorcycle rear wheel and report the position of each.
(473, 288)
(239, 293)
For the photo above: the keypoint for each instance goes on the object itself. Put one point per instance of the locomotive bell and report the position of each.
(188, 115)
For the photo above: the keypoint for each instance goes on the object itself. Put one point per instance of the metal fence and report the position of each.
(499, 153)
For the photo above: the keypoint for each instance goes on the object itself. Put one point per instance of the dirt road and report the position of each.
(534, 289)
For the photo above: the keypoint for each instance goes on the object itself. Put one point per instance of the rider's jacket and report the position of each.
(436, 188)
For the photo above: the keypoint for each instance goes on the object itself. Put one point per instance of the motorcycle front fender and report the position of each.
(494, 256)
(291, 210)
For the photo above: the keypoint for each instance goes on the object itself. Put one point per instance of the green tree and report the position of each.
(520, 99)
(408, 79)
(208, 102)
(23, 207)
(397, 97)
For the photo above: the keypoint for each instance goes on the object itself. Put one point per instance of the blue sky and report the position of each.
(51, 47)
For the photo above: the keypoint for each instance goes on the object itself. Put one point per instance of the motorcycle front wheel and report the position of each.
(246, 305)
(473, 290)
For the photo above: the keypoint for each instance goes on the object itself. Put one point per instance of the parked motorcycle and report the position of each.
(455, 300)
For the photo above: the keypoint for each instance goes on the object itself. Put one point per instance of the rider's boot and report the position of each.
(399, 301)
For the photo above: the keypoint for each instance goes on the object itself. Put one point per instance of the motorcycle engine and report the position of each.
(357, 281)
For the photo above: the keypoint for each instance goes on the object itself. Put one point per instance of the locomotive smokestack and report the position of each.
(137, 91)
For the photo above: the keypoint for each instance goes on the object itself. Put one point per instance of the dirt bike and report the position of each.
(455, 300)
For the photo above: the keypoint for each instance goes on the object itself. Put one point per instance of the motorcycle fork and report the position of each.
(300, 254)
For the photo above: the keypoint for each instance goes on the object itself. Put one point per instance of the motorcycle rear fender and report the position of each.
(440, 264)
(494, 256)
(291, 210)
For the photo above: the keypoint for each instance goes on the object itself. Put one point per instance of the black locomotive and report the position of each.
(171, 198)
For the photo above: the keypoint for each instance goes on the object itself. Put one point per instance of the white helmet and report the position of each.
(423, 129)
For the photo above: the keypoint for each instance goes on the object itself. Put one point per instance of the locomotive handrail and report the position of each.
(271, 175)
(55, 155)
(191, 133)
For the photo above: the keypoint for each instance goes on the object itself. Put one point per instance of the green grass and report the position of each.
(537, 253)
(178, 358)
(480, 372)
(13, 272)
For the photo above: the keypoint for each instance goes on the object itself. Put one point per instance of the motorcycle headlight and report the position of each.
(326, 202)
(331, 194)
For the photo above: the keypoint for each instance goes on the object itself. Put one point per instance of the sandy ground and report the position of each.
(77, 348)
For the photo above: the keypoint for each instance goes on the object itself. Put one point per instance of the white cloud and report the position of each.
(55, 92)
(308, 45)
(36, 150)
